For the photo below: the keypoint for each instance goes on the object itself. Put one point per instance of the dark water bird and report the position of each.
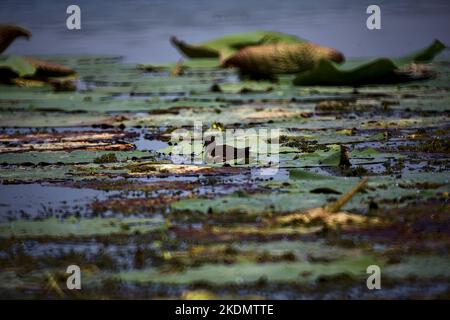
(9, 33)
(224, 152)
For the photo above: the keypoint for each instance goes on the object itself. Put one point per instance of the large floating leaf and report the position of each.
(15, 66)
(252, 272)
(64, 157)
(379, 71)
(27, 119)
(83, 227)
(225, 46)
(409, 186)
(424, 55)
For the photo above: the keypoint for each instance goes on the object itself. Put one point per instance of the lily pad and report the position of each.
(16, 65)
(83, 227)
(379, 71)
(225, 46)
(245, 273)
(63, 157)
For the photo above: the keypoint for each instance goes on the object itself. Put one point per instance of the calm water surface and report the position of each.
(139, 29)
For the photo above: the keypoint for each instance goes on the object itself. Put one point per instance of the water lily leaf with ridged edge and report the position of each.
(225, 46)
(379, 71)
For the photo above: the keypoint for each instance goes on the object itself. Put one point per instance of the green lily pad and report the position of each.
(245, 273)
(420, 267)
(24, 119)
(227, 45)
(17, 65)
(82, 227)
(29, 174)
(379, 71)
(74, 157)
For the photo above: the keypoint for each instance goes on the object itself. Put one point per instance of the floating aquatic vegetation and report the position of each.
(82, 228)
(266, 60)
(64, 157)
(379, 71)
(295, 272)
(225, 46)
(11, 66)
(25, 71)
(17, 69)
(151, 228)
(277, 54)
(67, 141)
(106, 158)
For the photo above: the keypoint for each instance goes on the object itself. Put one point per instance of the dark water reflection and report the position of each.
(139, 29)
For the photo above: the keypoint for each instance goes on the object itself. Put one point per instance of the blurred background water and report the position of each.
(139, 30)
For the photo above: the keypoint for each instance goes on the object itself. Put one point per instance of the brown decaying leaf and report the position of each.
(154, 169)
(330, 214)
(136, 204)
(331, 219)
(27, 83)
(8, 33)
(60, 146)
(178, 70)
(281, 58)
(89, 140)
(48, 69)
(68, 136)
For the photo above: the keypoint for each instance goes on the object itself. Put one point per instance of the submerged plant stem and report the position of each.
(337, 205)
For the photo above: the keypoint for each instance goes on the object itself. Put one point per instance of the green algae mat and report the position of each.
(112, 177)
